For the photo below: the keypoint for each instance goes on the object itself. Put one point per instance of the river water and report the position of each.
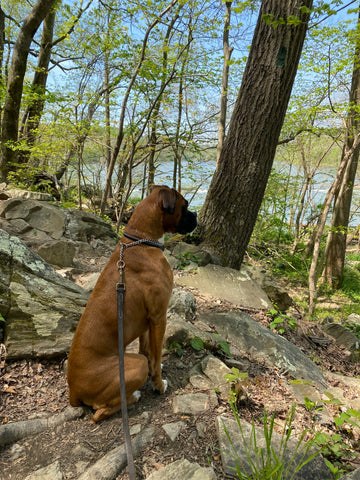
(196, 179)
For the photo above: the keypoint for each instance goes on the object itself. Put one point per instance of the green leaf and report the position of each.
(224, 346)
(197, 344)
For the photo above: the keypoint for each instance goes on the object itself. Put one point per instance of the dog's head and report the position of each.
(176, 216)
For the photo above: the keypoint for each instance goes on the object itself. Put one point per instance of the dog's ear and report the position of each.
(168, 198)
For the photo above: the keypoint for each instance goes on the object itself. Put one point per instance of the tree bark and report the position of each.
(238, 185)
(225, 82)
(32, 116)
(315, 268)
(10, 122)
(336, 242)
(2, 45)
(156, 111)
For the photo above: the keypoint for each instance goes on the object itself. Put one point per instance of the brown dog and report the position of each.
(93, 373)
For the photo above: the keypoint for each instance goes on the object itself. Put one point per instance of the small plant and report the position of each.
(281, 322)
(238, 380)
(185, 259)
(219, 348)
(176, 348)
(197, 344)
(264, 462)
(312, 406)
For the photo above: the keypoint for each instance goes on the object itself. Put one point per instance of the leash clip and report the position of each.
(121, 265)
(120, 286)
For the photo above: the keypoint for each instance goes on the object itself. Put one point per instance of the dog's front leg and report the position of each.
(156, 336)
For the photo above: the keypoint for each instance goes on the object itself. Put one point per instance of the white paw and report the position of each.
(165, 383)
(137, 395)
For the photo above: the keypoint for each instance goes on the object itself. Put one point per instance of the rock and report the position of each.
(188, 252)
(278, 295)
(59, 253)
(44, 219)
(135, 429)
(344, 337)
(51, 471)
(180, 331)
(60, 237)
(355, 475)
(84, 226)
(182, 303)
(41, 308)
(183, 470)
(222, 282)
(17, 451)
(241, 449)
(354, 318)
(215, 370)
(263, 344)
(191, 403)
(172, 430)
(27, 194)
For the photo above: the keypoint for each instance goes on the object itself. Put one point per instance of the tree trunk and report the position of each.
(336, 241)
(156, 111)
(238, 185)
(225, 81)
(34, 111)
(315, 268)
(2, 44)
(10, 123)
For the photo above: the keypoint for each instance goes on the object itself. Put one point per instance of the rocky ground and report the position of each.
(33, 389)
(38, 388)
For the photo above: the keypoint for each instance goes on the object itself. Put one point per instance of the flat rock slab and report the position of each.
(192, 403)
(183, 470)
(241, 330)
(172, 430)
(232, 285)
(240, 451)
(355, 475)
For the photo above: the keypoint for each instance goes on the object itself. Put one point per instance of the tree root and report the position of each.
(12, 432)
(111, 464)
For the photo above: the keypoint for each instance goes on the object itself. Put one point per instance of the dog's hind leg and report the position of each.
(136, 373)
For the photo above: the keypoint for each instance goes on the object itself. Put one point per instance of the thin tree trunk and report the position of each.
(2, 45)
(120, 134)
(315, 268)
(32, 116)
(309, 177)
(107, 95)
(225, 81)
(153, 134)
(176, 147)
(10, 123)
(336, 241)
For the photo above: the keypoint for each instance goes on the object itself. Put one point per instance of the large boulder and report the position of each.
(40, 307)
(232, 285)
(62, 237)
(241, 330)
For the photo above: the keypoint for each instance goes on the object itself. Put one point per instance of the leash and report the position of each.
(120, 289)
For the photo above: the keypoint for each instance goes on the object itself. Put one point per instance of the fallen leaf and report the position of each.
(10, 390)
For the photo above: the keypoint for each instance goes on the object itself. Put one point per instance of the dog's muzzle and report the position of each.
(188, 222)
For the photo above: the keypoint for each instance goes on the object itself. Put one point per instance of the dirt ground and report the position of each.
(31, 389)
